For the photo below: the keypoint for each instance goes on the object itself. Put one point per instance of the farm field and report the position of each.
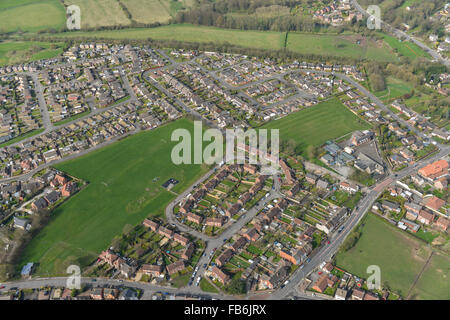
(340, 45)
(320, 44)
(150, 11)
(124, 187)
(100, 13)
(399, 256)
(317, 124)
(109, 12)
(17, 52)
(31, 15)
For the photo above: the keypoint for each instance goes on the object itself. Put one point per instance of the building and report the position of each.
(151, 224)
(192, 217)
(176, 267)
(220, 275)
(442, 223)
(425, 217)
(321, 284)
(435, 170)
(340, 294)
(351, 188)
(151, 270)
(433, 203)
(358, 294)
(27, 270)
(180, 239)
(224, 257)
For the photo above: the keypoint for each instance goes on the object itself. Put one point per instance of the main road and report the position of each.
(328, 250)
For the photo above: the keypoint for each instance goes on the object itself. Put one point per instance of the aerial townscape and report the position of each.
(93, 206)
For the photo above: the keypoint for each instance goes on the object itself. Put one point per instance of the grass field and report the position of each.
(109, 13)
(100, 13)
(150, 11)
(399, 256)
(315, 125)
(405, 48)
(320, 44)
(31, 15)
(395, 89)
(184, 32)
(435, 280)
(340, 45)
(121, 191)
(17, 52)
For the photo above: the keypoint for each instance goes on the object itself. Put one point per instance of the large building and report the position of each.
(435, 170)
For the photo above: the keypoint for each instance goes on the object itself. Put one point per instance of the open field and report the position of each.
(28, 15)
(109, 12)
(405, 48)
(125, 181)
(435, 280)
(150, 11)
(340, 45)
(17, 52)
(317, 124)
(100, 13)
(395, 89)
(305, 43)
(185, 32)
(400, 257)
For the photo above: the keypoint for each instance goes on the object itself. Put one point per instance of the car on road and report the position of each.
(2, 287)
(225, 240)
(204, 266)
(328, 242)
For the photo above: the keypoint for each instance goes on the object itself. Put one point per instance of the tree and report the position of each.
(311, 152)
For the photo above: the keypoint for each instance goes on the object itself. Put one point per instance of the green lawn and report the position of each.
(435, 280)
(395, 88)
(405, 48)
(317, 124)
(339, 45)
(206, 286)
(399, 256)
(121, 191)
(17, 51)
(31, 16)
(191, 33)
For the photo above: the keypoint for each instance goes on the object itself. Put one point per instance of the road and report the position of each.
(403, 35)
(328, 250)
(323, 254)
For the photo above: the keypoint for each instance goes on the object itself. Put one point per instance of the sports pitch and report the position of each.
(317, 124)
(125, 181)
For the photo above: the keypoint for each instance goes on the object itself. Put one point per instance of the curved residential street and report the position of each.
(324, 253)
